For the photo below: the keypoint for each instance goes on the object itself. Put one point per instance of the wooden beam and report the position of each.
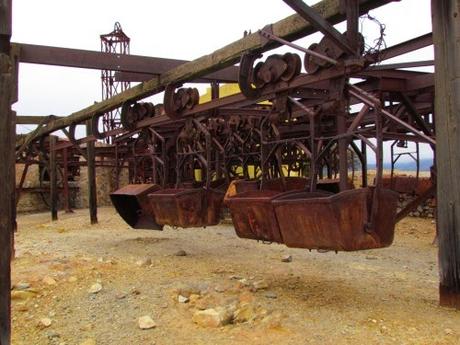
(290, 28)
(32, 119)
(141, 77)
(91, 166)
(53, 178)
(446, 37)
(67, 57)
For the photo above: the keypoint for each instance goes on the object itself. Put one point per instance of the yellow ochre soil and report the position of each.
(386, 296)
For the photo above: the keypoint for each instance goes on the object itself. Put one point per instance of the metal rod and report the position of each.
(296, 46)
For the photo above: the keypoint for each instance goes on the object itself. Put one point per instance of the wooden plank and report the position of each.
(446, 37)
(290, 28)
(91, 166)
(67, 57)
(32, 119)
(6, 199)
(53, 178)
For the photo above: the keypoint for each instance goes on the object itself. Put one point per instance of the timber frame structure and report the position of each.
(313, 120)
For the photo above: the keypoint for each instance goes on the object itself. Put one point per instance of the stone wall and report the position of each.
(105, 184)
(425, 210)
(31, 199)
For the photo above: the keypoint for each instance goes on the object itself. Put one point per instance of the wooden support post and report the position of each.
(7, 178)
(6, 209)
(53, 178)
(446, 37)
(364, 164)
(92, 194)
(352, 9)
(337, 87)
(343, 157)
(65, 180)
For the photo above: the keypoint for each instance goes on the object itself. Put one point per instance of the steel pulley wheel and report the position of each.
(128, 116)
(175, 102)
(294, 65)
(150, 109)
(95, 126)
(258, 82)
(310, 62)
(194, 97)
(247, 84)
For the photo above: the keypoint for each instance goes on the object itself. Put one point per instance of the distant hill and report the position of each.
(425, 165)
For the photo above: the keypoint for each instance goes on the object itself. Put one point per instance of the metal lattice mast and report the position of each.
(115, 42)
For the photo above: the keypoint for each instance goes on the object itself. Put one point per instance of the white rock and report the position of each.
(448, 331)
(146, 322)
(49, 281)
(89, 342)
(22, 286)
(95, 288)
(260, 285)
(213, 317)
(182, 299)
(244, 282)
(45, 322)
(144, 262)
(287, 258)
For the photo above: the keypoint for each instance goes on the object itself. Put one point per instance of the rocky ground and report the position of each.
(77, 284)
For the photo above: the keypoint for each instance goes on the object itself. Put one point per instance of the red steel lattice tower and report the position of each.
(116, 42)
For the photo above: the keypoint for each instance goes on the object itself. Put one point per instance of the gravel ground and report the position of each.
(386, 296)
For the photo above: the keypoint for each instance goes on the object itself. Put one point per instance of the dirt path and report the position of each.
(386, 296)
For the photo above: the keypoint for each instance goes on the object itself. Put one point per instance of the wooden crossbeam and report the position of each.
(67, 57)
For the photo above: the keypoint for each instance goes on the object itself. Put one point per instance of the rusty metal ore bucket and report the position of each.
(131, 203)
(337, 222)
(187, 208)
(286, 184)
(251, 209)
(253, 215)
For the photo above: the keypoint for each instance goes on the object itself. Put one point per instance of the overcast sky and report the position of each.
(171, 29)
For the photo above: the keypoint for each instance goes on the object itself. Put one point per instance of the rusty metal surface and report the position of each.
(338, 222)
(195, 207)
(132, 205)
(286, 184)
(407, 184)
(253, 215)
